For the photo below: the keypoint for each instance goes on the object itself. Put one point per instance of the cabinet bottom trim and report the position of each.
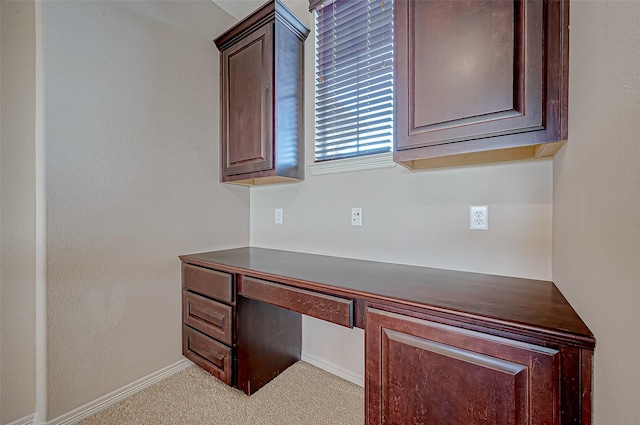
(541, 151)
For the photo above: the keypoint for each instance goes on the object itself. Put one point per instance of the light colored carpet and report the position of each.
(303, 394)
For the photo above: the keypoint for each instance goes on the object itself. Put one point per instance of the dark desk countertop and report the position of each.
(528, 302)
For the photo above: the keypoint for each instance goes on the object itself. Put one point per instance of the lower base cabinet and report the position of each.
(424, 372)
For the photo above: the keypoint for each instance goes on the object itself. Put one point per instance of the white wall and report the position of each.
(417, 218)
(131, 128)
(17, 210)
(596, 235)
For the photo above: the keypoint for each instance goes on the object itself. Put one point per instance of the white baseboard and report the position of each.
(27, 420)
(105, 401)
(113, 397)
(334, 368)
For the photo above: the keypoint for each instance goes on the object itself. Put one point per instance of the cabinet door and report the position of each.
(423, 372)
(247, 103)
(468, 70)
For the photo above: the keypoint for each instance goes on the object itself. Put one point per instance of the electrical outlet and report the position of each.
(479, 217)
(278, 215)
(356, 216)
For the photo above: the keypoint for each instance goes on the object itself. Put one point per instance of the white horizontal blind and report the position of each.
(354, 78)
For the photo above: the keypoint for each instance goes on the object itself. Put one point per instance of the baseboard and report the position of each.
(105, 401)
(333, 368)
(27, 420)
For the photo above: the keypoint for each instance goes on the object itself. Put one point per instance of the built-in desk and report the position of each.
(441, 346)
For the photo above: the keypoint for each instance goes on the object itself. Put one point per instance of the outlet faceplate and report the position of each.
(479, 217)
(278, 216)
(356, 216)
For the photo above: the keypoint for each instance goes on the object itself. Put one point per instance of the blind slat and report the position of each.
(350, 102)
(333, 125)
(372, 68)
(354, 150)
(365, 48)
(360, 105)
(357, 143)
(368, 86)
(350, 99)
(355, 154)
(337, 41)
(363, 122)
(356, 125)
(335, 37)
(377, 132)
(342, 15)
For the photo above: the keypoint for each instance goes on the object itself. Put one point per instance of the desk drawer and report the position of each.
(208, 316)
(326, 307)
(208, 282)
(207, 353)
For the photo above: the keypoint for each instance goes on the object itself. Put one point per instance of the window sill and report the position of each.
(358, 163)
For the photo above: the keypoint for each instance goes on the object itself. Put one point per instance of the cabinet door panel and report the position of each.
(466, 70)
(247, 111)
(450, 385)
(465, 46)
(425, 372)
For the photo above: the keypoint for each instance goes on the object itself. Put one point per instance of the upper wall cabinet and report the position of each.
(261, 98)
(479, 81)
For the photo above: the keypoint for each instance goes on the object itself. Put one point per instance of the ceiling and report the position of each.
(239, 9)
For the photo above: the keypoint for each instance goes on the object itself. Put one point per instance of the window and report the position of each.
(354, 78)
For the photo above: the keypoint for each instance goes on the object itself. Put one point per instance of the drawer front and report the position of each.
(207, 353)
(208, 282)
(326, 307)
(208, 316)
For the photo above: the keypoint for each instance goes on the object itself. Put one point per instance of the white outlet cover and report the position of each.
(479, 217)
(278, 215)
(356, 216)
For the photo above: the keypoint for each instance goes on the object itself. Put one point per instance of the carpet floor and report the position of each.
(301, 395)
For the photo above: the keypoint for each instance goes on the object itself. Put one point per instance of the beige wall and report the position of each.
(409, 217)
(131, 133)
(417, 217)
(596, 233)
(17, 210)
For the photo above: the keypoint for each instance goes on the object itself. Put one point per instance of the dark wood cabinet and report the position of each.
(261, 98)
(243, 342)
(436, 373)
(208, 325)
(479, 81)
(441, 346)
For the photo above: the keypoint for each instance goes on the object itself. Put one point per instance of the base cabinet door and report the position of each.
(424, 372)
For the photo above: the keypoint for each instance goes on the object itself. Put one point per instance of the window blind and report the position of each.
(354, 78)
